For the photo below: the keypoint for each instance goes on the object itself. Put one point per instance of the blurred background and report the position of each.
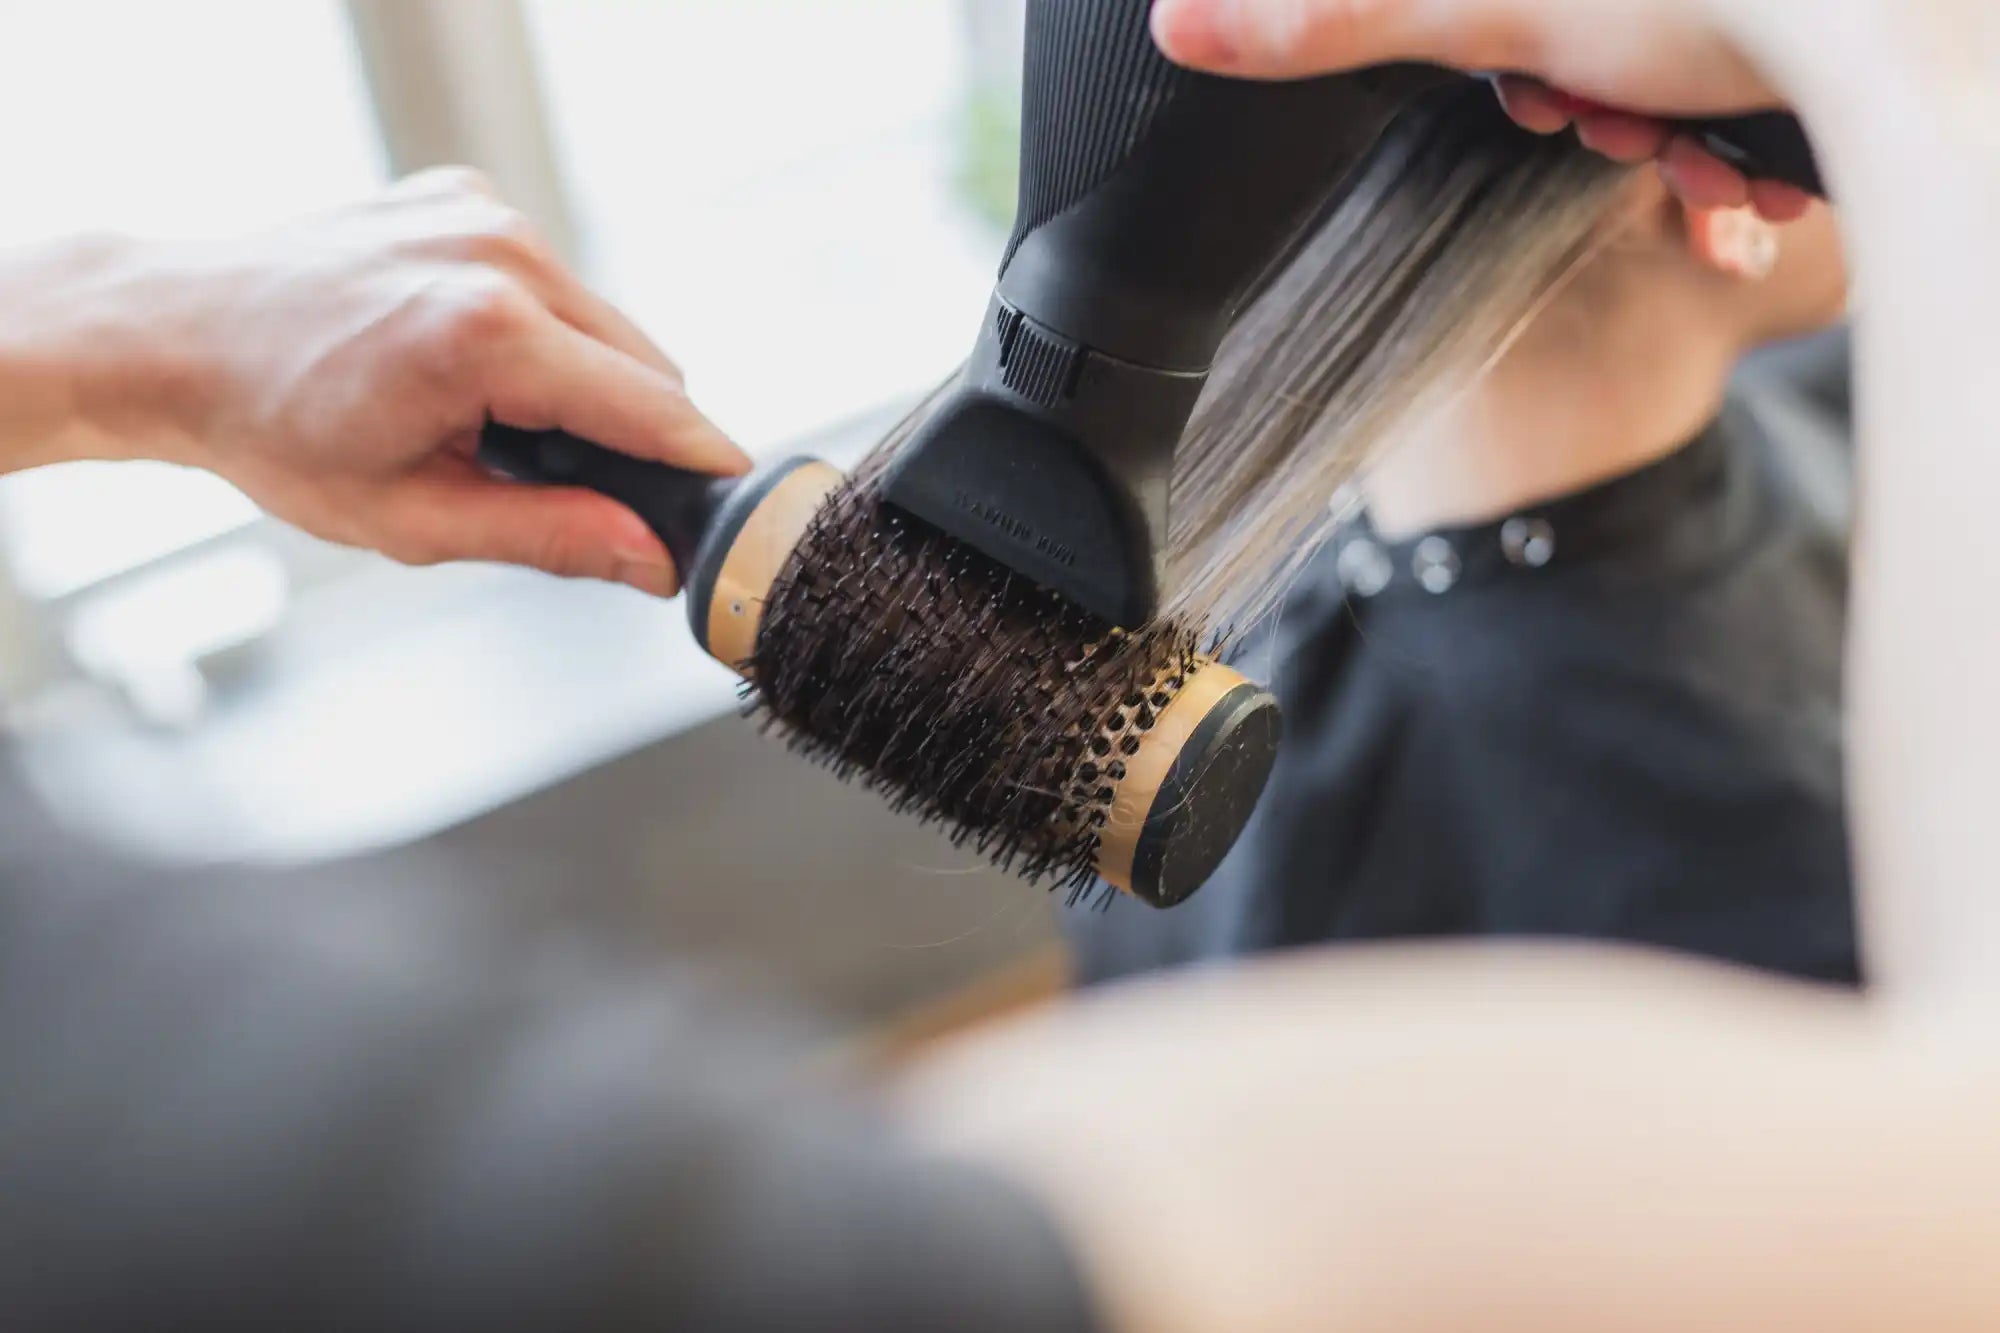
(813, 240)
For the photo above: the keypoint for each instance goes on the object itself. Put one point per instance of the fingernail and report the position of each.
(647, 575)
(1780, 205)
(1195, 31)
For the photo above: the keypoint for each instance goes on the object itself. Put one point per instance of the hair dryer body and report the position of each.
(1155, 202)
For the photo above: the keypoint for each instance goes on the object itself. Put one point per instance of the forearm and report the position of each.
(442, 1116)
(1469, 1141)
(1472, 1141)
(338, 370)
(1905, 98)
(83, 373)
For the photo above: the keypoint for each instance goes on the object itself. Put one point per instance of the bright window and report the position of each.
(803, 200)
(190, 118)
(783, 192)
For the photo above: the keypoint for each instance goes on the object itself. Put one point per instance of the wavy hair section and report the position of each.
(1451, 237)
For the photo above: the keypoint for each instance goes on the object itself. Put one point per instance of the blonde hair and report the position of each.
(1449, 240)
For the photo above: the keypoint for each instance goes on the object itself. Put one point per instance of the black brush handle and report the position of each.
(1770, 146)
(678, 505)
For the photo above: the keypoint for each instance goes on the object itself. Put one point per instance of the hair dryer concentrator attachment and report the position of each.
(1186, 784)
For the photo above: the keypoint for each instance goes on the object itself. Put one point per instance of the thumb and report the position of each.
(1663, 56)
(1294, 38)
(566, 531)
(564, 379)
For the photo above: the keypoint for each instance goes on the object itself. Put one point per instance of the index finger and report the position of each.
(559, 378)
(1662, 57)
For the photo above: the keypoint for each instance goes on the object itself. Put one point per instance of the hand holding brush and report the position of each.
(338, 370)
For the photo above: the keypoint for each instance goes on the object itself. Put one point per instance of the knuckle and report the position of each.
(477, 309)
(505, 238)
(563, 553)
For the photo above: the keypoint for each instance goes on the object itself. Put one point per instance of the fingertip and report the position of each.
(1532, 104)
(567, 531)
(627, 535)
(1780, 203)
(691, 439)
(599, 393)
(632, 553)
(1699, 178)
(1193, 33)
(1621, 136)
(653, 580)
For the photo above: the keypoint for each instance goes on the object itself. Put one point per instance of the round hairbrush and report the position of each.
(1063, 748)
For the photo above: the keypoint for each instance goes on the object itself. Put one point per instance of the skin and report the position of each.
(338, 371)
(1610, 73)
(1471, 1141)
(1495, 1139)
(1690, 171)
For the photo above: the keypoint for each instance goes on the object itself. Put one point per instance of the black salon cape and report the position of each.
(341, 1101)
(1639, 740)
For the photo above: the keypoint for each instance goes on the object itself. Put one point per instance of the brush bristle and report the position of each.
(961, 690)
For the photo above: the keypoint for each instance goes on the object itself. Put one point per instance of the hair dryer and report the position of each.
(1155, 202)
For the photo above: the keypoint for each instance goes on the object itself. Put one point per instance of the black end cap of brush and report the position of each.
(1210, 793)
(999, 477)
(735, 501)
